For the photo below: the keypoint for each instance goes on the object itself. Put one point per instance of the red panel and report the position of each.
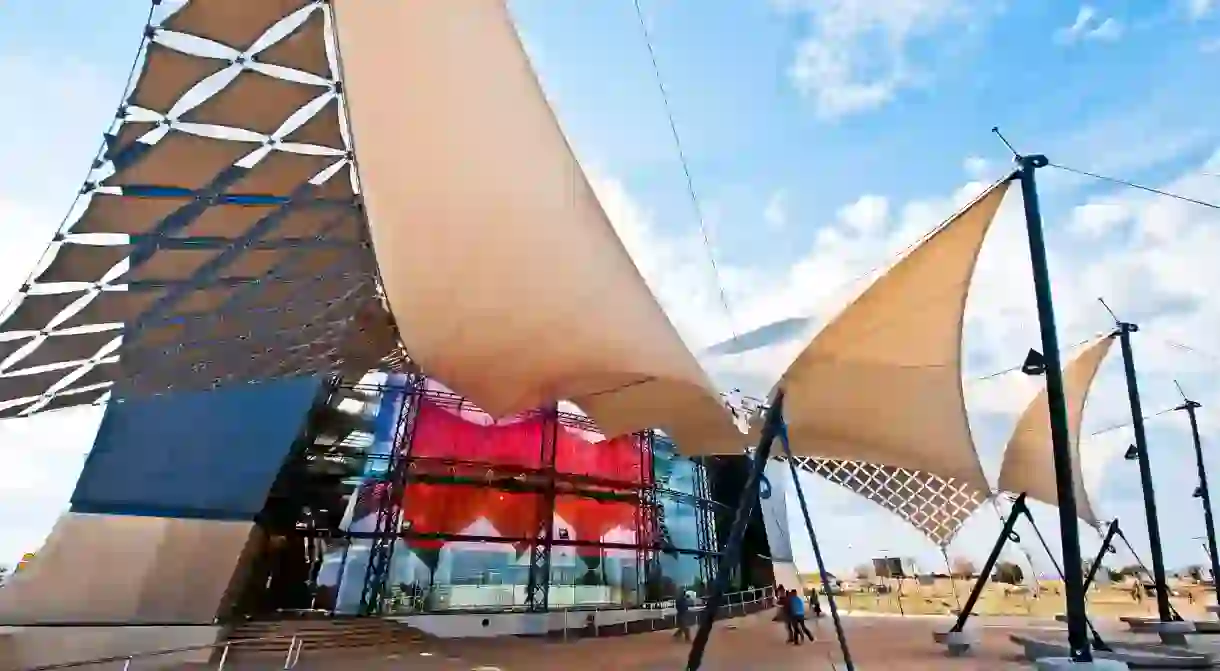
(615, 459)
(441, 509)
(591, 519)
(513, 514)
(441, 434)
(451, 509)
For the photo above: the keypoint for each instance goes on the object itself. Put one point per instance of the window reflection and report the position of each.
(631, 520)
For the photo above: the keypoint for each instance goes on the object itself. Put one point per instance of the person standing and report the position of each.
(817, 603)
(783, 612)
(682, 605)
(779, 597)
(798, 625)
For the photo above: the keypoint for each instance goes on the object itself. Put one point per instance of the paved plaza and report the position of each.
(754, 643)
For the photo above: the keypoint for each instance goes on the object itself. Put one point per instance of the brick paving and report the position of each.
(754, 643)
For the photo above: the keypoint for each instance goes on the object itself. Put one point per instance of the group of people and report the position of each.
(791, 607)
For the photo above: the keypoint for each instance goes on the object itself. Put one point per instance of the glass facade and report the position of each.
(419, 501)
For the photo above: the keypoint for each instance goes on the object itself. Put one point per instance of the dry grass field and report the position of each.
(909, 597)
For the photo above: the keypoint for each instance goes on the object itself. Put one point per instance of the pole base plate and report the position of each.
(957, 643)
(1066, 664)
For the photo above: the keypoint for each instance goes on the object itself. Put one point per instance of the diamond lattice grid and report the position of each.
(220, 237)
(935, 506)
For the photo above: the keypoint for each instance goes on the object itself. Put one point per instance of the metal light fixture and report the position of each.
(1034, 364)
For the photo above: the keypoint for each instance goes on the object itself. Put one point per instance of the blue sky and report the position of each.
(822, 136)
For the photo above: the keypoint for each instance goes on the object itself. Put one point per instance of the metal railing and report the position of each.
(736, 604)
(295, 643)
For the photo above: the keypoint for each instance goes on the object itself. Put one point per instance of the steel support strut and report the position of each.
(741, 518)
(1106, 548)
(817, 550)
(538, 589)
(1190, 407)
(1078, 637)
(1006, 534)
(1164, 611)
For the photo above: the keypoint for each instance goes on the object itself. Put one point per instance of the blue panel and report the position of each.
(208, 455)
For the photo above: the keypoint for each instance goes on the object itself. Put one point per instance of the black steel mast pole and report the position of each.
(1141, 447)
(741, 519)
(1190, 407)
(1073, 587)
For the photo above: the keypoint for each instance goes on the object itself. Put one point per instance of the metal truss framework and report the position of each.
(219, 237)
(389, 512)
(537, 592)
(705, 524)
(403, 467)
(648, 518)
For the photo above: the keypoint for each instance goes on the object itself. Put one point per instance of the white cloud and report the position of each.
(1090, 26)
(867, 215)
(776, 211)
(977, 167)
(1083, 17)
(1097, 218)
(856, 56)
(1197, 9)
(1111, 29)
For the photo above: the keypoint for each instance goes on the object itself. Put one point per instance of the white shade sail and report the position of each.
(882, 383)
(506, 278)
(1029, 464)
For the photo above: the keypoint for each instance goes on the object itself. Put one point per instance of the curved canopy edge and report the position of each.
(506, 277)
(1029, 464)
(882, 383)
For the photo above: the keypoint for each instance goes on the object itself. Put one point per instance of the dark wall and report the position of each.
(727, 478)
(208, 455)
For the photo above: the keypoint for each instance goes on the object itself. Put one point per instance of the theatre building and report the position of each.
(391, 496)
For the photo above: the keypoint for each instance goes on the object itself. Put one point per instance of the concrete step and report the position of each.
(273, 638)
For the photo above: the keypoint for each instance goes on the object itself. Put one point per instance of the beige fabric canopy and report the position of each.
(508, 281)
(882, 383)
(1029, 464)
